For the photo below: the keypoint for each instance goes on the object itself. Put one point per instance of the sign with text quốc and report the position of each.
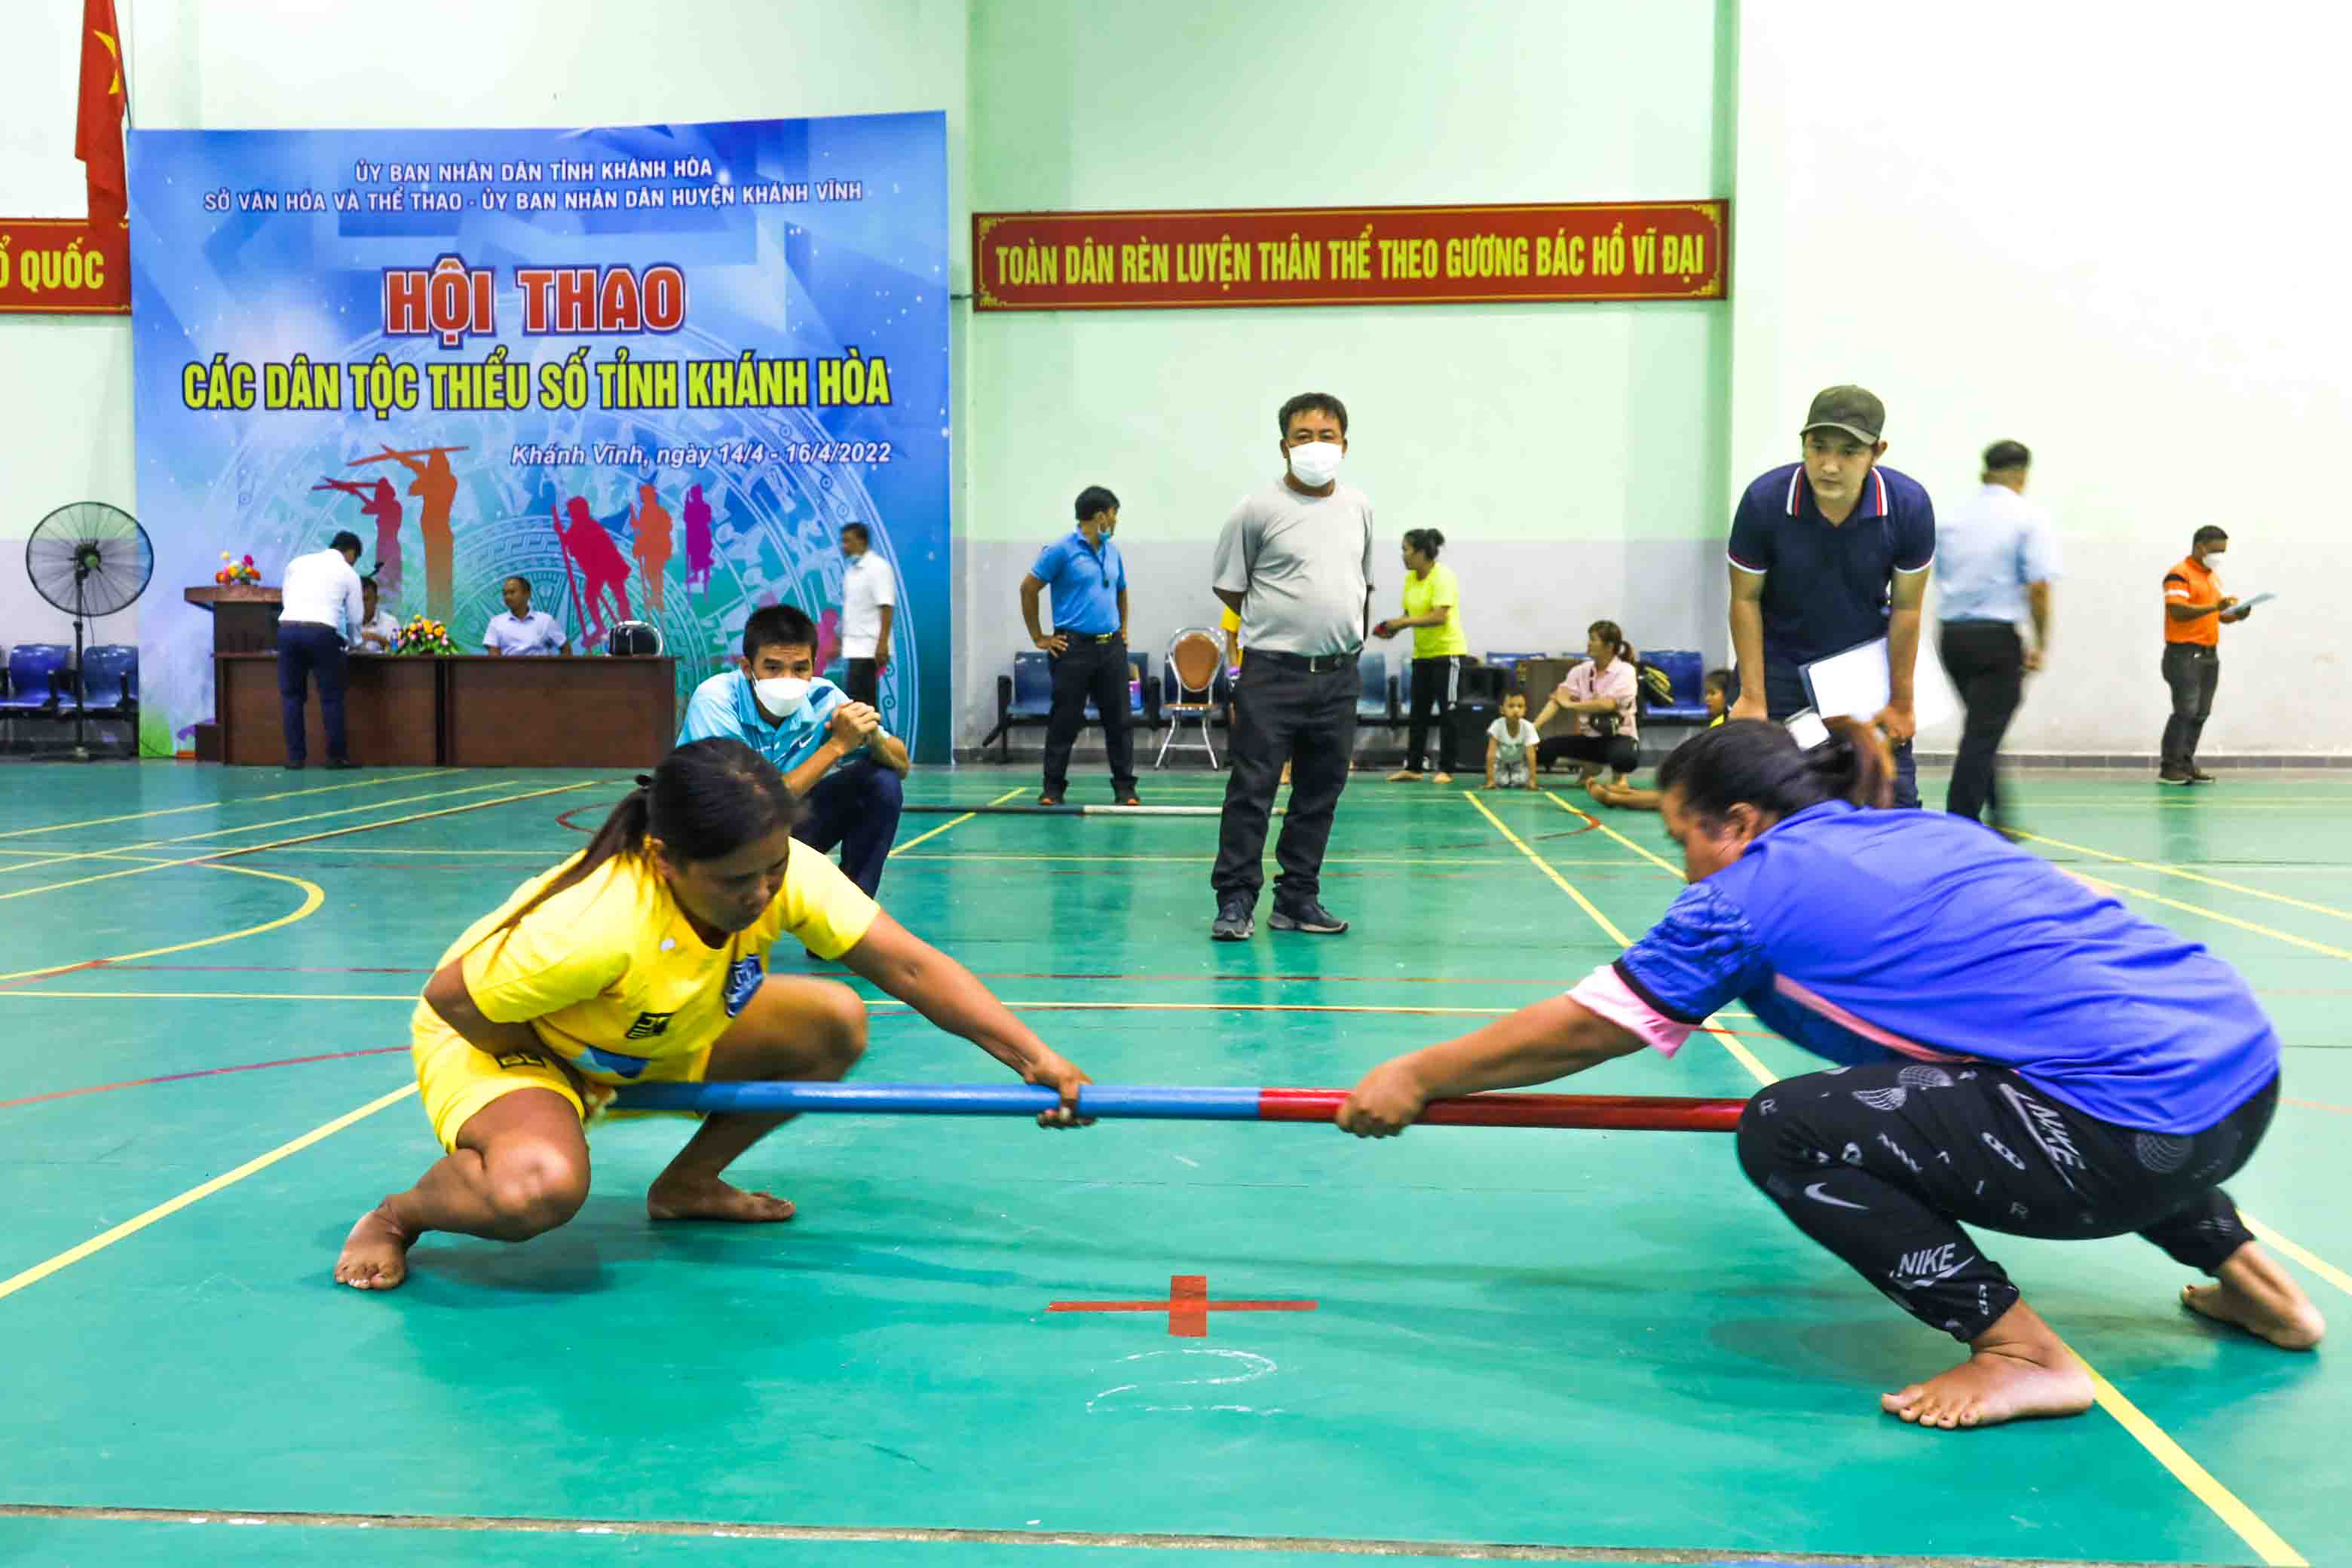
(67, 266)
(1349, 256)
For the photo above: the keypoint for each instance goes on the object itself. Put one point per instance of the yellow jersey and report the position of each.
(1437, 591)
(613, 977)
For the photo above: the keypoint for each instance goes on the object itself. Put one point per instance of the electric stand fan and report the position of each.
(88, 559)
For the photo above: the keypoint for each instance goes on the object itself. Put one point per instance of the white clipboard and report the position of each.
(1856, 684)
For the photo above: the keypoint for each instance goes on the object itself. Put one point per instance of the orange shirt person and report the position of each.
(2194, 610)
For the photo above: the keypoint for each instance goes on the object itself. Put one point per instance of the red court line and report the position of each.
(2317, 1105)
(200, 1072)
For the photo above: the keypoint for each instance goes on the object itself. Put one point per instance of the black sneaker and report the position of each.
(1310, 916)
(2174, 776)
(1234, 922)
(2199, 775)
(341, 763)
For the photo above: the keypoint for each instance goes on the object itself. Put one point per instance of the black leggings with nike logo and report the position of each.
(1883, 1163)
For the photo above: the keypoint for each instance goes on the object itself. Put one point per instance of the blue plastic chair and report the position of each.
(1033, 685)
(110, 677)
(1686, 673)
(1134, 692)
(36, 675)
(1377, 693)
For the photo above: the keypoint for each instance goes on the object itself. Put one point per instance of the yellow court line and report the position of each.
(62, 856)
(1660, 861)
(137, 1223)
(2185, 875)
(951, 822)
(2126, 888)
(1745, 1056)
(216, 805)
(2224, 1503)
(2267, 1543)
(2311, 1260)
(312, 897)
(306, 837)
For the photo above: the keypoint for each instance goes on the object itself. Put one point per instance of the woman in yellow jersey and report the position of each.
(1433, 609)
(643, 959)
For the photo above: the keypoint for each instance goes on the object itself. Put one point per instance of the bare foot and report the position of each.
(714, 1199)
(375, 1254)
(2257, 1295)
(2015, 1369)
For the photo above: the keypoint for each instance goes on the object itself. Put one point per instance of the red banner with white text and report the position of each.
(1585, 251)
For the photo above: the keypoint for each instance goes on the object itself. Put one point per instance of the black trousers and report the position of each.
(862, 681)
(306, 649)
(1986, 660)
(856, 807)
(1095, 667)
(2193, 671)
(1883, 1163)
(1620, 753)
(1785, 697)
(1285, 712)
(1436, 683)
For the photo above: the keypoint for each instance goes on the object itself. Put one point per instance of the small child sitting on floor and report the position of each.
(1511, 743)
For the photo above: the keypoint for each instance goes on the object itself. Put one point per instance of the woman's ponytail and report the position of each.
(1856, 764)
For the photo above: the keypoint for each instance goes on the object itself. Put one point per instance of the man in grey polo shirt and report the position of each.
(1295, 559)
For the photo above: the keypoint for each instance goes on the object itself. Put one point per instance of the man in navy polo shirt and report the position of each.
(1088, 643)
(1827, 553)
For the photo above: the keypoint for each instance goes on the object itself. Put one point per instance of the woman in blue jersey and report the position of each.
(2015, 1052)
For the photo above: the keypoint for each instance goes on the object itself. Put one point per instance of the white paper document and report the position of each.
(1856, 684)
(2257, 599)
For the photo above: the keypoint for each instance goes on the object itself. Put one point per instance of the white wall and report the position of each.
(2112, 235)
(1570, 454)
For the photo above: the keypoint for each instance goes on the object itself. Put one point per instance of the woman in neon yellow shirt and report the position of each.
(643, 959)
(1433, 609)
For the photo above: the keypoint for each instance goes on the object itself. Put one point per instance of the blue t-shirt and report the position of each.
(1825, 588)
(1869, 936)
(1086, 583)
(723, 705)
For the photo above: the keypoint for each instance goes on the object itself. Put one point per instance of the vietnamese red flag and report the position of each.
(98, 123)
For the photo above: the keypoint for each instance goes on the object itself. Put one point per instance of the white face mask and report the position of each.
(1317, 464)
(783, 695)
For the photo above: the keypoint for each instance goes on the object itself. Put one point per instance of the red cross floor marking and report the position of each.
(1188, 1306)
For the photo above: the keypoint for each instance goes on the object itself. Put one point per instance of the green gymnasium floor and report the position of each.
(1605, 1348)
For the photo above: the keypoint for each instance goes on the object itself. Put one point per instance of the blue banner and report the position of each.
(653, 370)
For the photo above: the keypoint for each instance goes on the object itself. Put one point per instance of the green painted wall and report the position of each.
(1570, 453)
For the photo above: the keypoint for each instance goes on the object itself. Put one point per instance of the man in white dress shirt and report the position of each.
(320, 613)
(522, 632)
(869, 599)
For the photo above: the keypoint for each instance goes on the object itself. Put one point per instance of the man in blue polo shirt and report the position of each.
(833, 753)
(1088, 643)
(1826, 553)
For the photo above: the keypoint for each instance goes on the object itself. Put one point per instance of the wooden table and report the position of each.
(575, 712)
(571, 710)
